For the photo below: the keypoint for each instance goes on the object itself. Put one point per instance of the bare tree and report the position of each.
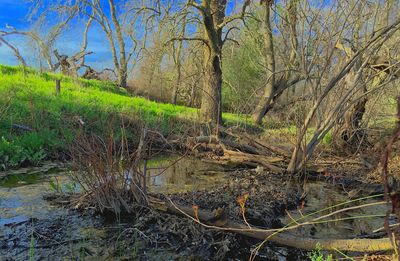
(270, 87)
(336, 111)
(215, 24)
(273, 87)
(112, 25)
(45, 39)
(177, 53)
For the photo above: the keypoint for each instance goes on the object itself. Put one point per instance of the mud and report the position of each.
(45, 230)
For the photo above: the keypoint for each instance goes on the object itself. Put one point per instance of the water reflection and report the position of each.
(187, 174)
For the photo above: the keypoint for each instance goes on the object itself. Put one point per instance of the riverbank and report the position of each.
(37, 124)
(46, 223)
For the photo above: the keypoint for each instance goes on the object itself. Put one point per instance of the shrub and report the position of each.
(25, 149)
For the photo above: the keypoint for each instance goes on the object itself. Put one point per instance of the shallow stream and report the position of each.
(22, 206)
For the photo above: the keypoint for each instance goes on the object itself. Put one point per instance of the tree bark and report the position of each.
(123, 64)
(269, 88)
(213, 16)
(211, 96)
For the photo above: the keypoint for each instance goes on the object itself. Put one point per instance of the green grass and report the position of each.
(30, 100)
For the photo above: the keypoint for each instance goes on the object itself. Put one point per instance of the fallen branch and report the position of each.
(257, 143)
(218, 220)
(241, 157)
(227, 157)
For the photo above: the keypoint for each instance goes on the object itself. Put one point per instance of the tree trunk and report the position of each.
(58, 87)
(269, 88)
(178, 63)
(211, 110)
(273, 89)
(350, 134)
(123, 76)
(123, 69)
(176, 86)
(211, 96)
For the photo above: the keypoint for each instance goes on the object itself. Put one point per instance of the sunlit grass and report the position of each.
(38, 88)
(30, 99)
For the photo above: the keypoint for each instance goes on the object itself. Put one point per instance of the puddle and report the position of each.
(24, 212)
(188, 174)
(21, 198)
(21, 194)
(343, 225)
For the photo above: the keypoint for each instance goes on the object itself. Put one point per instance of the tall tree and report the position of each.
(274, 88)
(214, 21)
(177, 53)
(269, 88)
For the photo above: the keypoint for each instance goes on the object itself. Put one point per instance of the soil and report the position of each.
(151, 235)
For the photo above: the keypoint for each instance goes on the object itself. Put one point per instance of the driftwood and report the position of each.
(241, 157)
(218, 220)
(257, 143)
(212, 139)
(243, 153)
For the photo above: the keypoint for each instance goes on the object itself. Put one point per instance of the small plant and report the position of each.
(317, 255)
(59, 188)
(11, 154)
(32, 248)
(136, 246)
(242, 202)
(28, 148)
(55, 186)
(71, 187)
(328, 139)
(35, 157)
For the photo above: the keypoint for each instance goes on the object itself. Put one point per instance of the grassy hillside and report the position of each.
(27, 98)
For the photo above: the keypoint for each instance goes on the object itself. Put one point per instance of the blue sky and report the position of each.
(11, 12)
(14, 12)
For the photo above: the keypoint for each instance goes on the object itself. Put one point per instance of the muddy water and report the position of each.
(186, 174)
(24, 212)
(321, 195)
(59, 232)
(21, 198)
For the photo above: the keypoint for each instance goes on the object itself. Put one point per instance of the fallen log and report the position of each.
(218, 220)
(192, 141)
(257, 143)
(241, 157)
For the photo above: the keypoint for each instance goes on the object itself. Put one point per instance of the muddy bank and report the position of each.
(54, 231)
(59, 232)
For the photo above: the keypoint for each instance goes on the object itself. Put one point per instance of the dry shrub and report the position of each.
(108, 170)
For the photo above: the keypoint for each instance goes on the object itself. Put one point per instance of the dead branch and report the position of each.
(219, 220)
(15, 50)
